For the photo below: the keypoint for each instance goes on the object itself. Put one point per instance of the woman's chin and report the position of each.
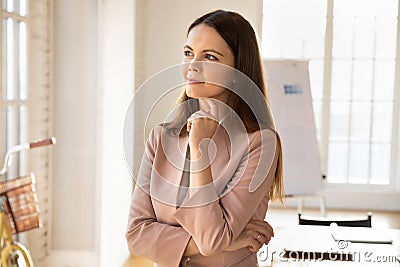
(200, 90)
(195, 93)
(196, 96)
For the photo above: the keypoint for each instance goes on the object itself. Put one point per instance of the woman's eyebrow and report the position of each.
(214, 51)
(188, 47)
(205, 51)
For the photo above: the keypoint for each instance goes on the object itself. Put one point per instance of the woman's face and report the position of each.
(204, 44)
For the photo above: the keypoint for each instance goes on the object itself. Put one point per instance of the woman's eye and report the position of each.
(211, 57)
(187, 53)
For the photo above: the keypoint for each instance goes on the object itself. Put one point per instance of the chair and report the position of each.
(357, 222)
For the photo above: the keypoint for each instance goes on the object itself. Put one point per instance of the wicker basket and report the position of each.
(18, 199)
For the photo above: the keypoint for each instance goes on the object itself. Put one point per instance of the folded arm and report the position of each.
(159, 242)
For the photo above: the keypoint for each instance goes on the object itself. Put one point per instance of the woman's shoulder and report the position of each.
(156, 130)
(162, 129)
(266, 139)
(263, 134)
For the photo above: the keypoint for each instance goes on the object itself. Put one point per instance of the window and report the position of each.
(351, 48)
(14, 80)
(25, 101)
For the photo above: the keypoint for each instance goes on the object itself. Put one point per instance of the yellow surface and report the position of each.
(136, 261)
(8, 245)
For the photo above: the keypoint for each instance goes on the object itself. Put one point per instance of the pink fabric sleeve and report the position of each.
(215, 225)
(159, 242)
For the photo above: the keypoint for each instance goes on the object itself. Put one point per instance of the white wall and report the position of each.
(117, 78)
(93, 84)
(75, 93)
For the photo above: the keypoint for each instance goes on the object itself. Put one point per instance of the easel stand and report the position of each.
(320, 197)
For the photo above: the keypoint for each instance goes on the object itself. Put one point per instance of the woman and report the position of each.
(206, 205)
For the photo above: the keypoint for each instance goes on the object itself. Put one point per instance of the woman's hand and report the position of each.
(254, 236)
(202, 126)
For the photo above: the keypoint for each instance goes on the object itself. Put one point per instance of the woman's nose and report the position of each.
(194, 66)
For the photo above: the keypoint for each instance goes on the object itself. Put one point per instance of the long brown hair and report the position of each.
(241, 38)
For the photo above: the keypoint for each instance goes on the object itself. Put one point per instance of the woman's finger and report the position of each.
(260, 239)
(254, 244)
(201, 114)
(262, 226)
(267, 239)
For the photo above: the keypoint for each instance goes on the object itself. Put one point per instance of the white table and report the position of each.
(316, 241)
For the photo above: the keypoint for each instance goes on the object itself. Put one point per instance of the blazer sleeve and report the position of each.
(161, 243)
(215, 225)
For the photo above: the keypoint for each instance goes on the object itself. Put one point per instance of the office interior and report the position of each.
(87, 59)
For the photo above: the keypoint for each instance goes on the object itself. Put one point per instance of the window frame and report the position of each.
(394, 182)
(394, 179)
(20, 161)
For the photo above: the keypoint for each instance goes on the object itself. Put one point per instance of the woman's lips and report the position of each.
(194, 81)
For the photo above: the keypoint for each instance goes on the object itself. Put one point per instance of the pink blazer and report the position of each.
(159, 228)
